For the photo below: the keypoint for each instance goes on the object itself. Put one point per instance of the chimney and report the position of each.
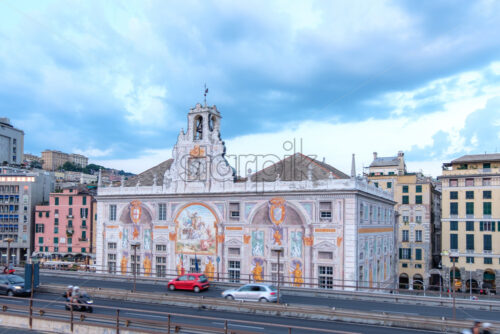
(353, 166)
(401, 154)
(374, 155)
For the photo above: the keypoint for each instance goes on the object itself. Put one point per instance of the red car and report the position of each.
(194, 282)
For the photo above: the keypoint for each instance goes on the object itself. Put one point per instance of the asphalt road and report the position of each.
(388, 307)
(264, 325)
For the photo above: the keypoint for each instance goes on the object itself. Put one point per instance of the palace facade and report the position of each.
(300, 219)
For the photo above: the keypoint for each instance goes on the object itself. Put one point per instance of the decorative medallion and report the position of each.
(135, 211)
(197, 152)
(246, 239)
(277, 210)
(308, 241)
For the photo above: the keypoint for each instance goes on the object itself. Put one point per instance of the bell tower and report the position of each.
(199, 162)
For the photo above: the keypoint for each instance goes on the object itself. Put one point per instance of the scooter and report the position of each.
(83, 304)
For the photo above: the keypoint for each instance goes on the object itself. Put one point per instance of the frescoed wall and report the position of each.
(196, 226)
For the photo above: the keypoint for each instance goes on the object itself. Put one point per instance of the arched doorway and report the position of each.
(403, 281)
(436, 282)
(456, 279)
(418, 282)
(475, 286)
(489, 281)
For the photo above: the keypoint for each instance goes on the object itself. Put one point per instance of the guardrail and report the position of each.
(488, 305)
(115, 320)
(302, 311)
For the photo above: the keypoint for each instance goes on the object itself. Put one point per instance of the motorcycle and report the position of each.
(83, 304)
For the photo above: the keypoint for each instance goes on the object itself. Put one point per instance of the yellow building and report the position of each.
(471, 221)
(418, 206)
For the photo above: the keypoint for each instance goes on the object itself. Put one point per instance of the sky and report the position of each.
(115, 80)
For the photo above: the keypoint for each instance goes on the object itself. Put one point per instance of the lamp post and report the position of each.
(135, 245)
(452, 280)
(278, 250)
(8, 241)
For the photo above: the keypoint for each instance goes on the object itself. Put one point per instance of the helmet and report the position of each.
(70, 287)
(76, 288)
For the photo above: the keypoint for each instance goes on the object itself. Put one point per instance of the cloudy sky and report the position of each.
(114, 80)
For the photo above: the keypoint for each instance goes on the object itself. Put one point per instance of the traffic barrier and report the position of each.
(302, 311)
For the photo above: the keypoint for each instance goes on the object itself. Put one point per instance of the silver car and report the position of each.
(253, 292)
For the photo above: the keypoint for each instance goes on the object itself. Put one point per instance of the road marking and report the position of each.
(142, 315)
(236, 325)
(408, 313)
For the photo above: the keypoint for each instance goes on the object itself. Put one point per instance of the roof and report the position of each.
(296, 168)
(146, 178)
(385, 161)
(477, 158)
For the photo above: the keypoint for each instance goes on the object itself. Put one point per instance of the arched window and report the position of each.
(198, 128)
(211, 122)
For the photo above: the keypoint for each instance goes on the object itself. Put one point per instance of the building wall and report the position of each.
(482, 224)
(63, 227)
(11, 143)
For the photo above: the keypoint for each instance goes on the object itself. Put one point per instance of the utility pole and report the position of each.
(8, 241)
(453, 291)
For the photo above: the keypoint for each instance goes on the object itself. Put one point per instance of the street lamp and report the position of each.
(452, 280)
(8, 241)
(135, 245)
(278, 250)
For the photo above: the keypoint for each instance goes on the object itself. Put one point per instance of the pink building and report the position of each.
(65, 225)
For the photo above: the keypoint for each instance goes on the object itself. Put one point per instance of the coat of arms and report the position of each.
(135, 211)
(277, 210)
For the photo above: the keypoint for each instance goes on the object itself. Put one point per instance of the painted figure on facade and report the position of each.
(257, 271)
(277, 237)
(210, 269)
(296, 244)
(147, 264)
(296, 274)
(196, 230)
(258, 243)
(147, 240)
(123, 264)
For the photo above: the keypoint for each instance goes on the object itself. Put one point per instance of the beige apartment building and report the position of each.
(418, 207)
(471, 221)
(52, 160)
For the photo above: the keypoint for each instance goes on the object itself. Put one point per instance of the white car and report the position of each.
(253, 292)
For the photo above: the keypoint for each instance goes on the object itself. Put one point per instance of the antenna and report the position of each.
(205, 94)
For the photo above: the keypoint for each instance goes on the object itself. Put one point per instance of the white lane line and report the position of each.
(408, 313)
(236, 325)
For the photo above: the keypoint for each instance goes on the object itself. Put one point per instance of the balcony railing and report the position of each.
(83, 239)
(69, 216)
(83, 227)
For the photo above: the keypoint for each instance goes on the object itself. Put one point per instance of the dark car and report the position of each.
(13, 285)
(194, 282)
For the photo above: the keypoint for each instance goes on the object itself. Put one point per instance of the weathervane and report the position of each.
(206, 92)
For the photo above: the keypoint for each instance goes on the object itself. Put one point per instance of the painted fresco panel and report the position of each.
(258, 243)
(196, 230)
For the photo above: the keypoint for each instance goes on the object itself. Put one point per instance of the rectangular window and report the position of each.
(325, 210)
(487, 182)
(453, 208)
(469, 259)
(418, 219)
(40, 240)
(469, 195)
(40, 214)
(192, 268)
(469, 208)
(70, 223)
(84, 235)
(111, 245)
(453, 182)
(454, 241)
(487, 226)
(376, 184)
(418, 188)
(487, 208)
(234, 271)
(453, 194)
(161, 248)
(161, 266)
(406, 199)
(70, 200)
(453, 226)
(469, 226)
(112, 212)
(487, 242)
(405, 189)
(418, 199)
(70, 241)
(405, 253)
(234, 211)
(112, 263)
(56, 221)
(84, 250)
(487, 194)
(389, 185)
(406, 219)
(84, 223)
(234, 251)
(469, 242)
(488, 260)
(84, 200)
(162, 211)
(56, 200)
(325, 277)
(56, 229)
(406, 236)
(418, 236)
(469, 182)
(418, 254)
(40, 228)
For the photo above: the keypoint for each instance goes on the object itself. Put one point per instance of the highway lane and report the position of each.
(388, 307)
(139, 309)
